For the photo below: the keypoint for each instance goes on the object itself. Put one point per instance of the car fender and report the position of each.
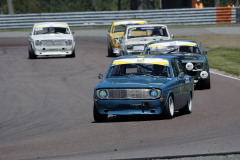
(170, 92)
(30, 46)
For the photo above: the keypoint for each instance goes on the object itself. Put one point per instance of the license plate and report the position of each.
(129, 106)
(53, 49)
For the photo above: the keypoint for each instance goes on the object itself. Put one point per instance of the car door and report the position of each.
(180, 90)
(177, 83)
(183, 91)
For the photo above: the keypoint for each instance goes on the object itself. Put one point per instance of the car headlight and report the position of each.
(189, 66)
(68, 42)
(117, 40)
(204, 74)
(129, 46)
(102, 94)
(38, 43)
(155, 93)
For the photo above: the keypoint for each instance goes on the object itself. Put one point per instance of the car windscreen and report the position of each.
(147, 32)
(119, 28)
(172, 50)
(127, 70)
(51, 30)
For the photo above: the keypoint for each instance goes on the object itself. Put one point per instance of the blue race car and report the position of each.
(137, 85)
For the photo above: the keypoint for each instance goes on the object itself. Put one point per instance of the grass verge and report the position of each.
(224, 59)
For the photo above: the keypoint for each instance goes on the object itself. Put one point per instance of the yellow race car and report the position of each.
(116, 32)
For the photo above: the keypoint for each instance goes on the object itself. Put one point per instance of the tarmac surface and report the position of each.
(46, 111)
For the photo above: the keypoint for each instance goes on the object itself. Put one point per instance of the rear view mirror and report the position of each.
(100, 76)
(204, 52)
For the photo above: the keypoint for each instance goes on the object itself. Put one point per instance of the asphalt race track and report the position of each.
(46, 111)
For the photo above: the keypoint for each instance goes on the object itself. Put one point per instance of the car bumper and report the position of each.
(131, 52)
(48, 51)
(130, 107)
(116, 51)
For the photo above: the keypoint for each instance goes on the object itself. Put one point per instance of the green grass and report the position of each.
(223, 59)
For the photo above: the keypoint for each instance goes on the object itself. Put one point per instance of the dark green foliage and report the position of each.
(223, 3)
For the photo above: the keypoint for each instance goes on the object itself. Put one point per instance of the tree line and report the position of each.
(54, 6)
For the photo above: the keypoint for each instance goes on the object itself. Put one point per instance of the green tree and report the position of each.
(54, 6)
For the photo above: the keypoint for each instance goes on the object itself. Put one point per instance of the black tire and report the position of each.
(187, 109)
(31, 54)
(97, 116)
(204, 84)
(169, 109)
(110, 52)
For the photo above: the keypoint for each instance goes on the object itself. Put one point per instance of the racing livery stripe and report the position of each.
(158, 61)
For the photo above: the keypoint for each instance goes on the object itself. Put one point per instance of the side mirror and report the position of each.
(109, 30)
(172, 36)
(204, 52)
(100, 76)
(181, 75)
(30, 33)
(73, 32)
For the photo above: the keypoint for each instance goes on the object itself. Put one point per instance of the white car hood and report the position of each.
(52, 36)
(145, 40)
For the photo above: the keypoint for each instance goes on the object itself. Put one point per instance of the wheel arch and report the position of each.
(30, 45)
(191, 93)
(170, 93)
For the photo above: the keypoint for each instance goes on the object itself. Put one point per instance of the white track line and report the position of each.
(225, 75)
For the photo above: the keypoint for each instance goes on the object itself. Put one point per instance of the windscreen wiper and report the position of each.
(172, 51)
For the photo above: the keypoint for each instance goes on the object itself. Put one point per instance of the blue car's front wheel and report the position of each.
(97, 116)
(169, 110)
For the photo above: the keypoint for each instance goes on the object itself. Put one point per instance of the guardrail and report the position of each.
(184, 16)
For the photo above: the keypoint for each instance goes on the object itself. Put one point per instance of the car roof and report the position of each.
(128, 21)
(51, 24)
(146, 25)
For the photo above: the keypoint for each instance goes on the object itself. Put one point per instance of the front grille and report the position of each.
(138, 47)
(192, 73)
(131, 94)
(49, 43)
(198, 65)
(135, 53)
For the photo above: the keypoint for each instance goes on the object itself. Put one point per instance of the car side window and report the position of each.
(180, 66)
(175, 68)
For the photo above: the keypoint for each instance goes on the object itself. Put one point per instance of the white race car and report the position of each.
(51, 39)
(137, 36)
